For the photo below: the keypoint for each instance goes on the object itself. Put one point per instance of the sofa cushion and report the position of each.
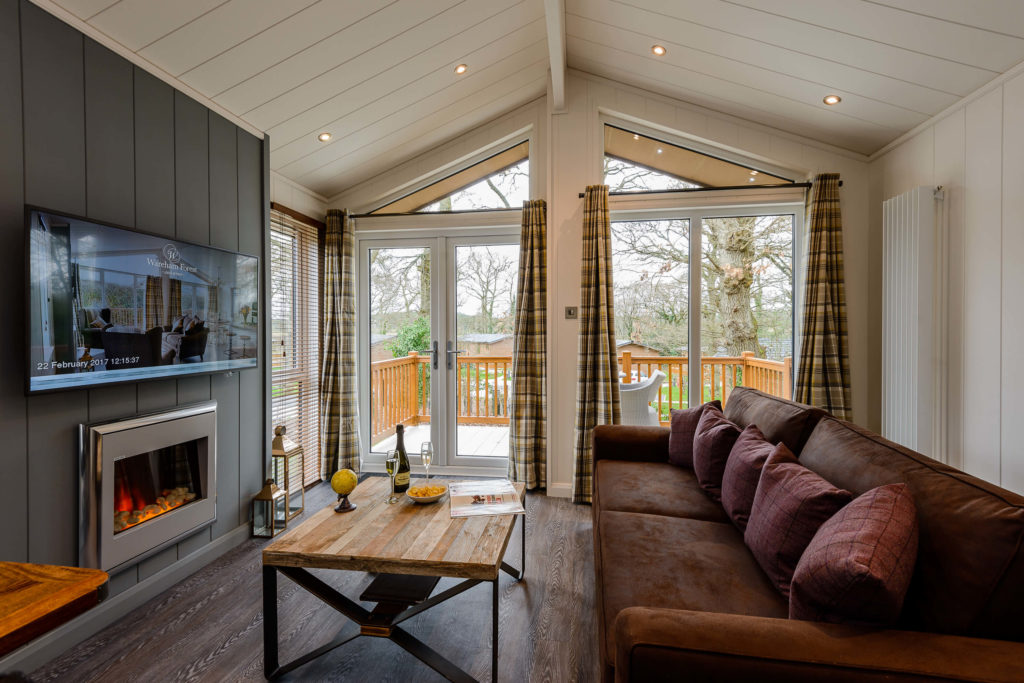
(789, 507)
(969, 577)
(657, 561)
(742, 473)
(680, 439)
(655, 488)
(778, 419)
(712, 443)
(857, 568)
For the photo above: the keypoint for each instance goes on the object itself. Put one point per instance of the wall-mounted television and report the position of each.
(108, 305)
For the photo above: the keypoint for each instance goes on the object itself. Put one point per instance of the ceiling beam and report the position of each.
(554, 14)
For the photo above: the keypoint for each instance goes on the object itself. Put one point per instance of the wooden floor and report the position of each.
(489, 440)
(210, 626)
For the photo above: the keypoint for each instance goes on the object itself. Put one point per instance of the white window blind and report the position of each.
(294, 296)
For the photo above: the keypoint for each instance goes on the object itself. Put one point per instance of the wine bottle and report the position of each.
(402, 478)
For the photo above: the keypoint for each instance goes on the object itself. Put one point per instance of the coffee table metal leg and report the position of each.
(494, 631)
(270, 661)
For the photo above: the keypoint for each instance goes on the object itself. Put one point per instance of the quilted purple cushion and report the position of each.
(680, 439)
(858, 566)
(712, 442)
(789, 507)
(742, 472)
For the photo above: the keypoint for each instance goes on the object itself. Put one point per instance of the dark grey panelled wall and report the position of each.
(84, 131)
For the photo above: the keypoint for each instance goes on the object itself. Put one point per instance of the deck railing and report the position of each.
(400, 387)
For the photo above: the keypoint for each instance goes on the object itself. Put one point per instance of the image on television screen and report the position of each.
(112, 305)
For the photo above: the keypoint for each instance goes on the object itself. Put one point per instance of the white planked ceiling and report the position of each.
(379, 74)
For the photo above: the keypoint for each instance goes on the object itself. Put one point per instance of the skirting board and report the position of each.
(560, 490)
(51, 645)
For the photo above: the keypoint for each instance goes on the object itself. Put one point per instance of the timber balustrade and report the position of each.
(400, 387)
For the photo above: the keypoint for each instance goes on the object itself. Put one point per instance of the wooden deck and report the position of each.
(486, 440)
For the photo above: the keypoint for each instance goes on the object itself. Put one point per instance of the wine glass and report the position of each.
(391, 465)
(426, 455)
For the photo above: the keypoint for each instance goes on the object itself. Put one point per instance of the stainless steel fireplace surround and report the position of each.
(146, 482)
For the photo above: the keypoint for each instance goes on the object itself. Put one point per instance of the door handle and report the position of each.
(433, 355)
(452, 352)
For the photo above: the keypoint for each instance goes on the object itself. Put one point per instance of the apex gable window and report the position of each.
(638, 163)
(501, 181)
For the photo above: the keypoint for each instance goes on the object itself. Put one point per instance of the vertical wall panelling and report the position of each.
(1012, 451)
(223, 183)
(109, 138)
(225, 388)
(53, 421)
(54, 139)
(95, 136)
(191, 170)
(154, 154)
(982, 252)
(949, 173)
(251, 387)
(158, 395)
(54, 112)
(13, 463)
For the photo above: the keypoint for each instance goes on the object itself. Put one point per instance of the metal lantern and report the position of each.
(289, 464)
(269, 511)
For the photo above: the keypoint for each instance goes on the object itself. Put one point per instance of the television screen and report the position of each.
(108, 305)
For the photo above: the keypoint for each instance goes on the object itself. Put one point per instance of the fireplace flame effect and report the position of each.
(131, 508)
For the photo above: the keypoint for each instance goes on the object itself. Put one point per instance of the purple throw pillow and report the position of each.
(712, 442)
(789, 507)
(858, 567)
(680, 439)
(742, 472)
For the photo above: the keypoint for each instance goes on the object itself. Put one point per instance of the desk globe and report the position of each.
(344, 482)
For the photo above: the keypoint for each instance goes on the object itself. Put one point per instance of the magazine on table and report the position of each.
(491, 497)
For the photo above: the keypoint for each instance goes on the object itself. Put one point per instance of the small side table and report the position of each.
(289, 465)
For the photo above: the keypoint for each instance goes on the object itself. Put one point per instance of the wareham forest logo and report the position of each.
(171, 260)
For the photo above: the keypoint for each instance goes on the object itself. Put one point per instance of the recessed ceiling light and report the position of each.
(658, 50)
(753, 173)
(635, 136)
(750, 180)
(461, 69)
(659, 150)
(832, 99)
(324, 137)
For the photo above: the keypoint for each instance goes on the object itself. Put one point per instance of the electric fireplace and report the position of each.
(147, 482)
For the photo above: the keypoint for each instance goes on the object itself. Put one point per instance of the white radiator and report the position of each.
(914, 296)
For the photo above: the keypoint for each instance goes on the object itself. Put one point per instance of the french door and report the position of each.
(435, 320)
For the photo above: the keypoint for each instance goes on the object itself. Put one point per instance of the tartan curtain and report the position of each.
(597, 388)
(174, 301)
(154, 301)
(823, 376)
(527, 460)
(339, 416)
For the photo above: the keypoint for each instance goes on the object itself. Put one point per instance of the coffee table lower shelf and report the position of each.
(407, 599)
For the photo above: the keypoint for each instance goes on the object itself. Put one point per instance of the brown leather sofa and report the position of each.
(681, 598)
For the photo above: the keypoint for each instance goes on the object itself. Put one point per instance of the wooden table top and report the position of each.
(404, 538)
(36, 598)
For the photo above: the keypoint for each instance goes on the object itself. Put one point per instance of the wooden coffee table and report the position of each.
(410, 547)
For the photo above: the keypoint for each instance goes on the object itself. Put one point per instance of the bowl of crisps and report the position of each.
(426, 493)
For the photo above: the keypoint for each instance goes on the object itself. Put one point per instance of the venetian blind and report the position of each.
(294, 295)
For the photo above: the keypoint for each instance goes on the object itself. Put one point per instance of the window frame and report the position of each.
(305, 310)
(633, 209)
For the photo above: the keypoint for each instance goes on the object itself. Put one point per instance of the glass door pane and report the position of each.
(746, 325)
(651, 261)
(399, 334)
(484, 289)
